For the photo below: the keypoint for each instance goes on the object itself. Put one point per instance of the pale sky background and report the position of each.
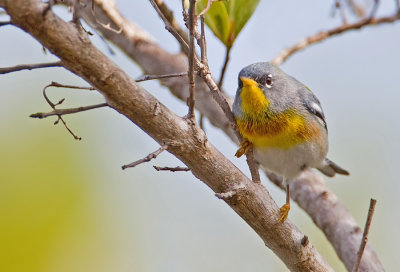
(66, 205)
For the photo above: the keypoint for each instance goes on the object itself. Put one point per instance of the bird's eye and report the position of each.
(268, 81)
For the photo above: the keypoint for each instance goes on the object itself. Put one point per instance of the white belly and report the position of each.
(289, 163)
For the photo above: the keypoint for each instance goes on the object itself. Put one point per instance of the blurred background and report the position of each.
(66, 205)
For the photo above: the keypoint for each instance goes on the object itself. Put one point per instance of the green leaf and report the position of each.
(217, 18)
(227, 18)
(240, 12)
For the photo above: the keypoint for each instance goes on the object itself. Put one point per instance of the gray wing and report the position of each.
(312, 104)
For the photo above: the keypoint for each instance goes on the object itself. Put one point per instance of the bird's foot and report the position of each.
(245, 146)
(284, 213)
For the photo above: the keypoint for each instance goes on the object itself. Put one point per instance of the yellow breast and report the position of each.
(283, 131)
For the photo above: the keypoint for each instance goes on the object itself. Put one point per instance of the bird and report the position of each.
(283, 122)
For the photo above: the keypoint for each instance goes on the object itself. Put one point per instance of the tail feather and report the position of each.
(330, 168)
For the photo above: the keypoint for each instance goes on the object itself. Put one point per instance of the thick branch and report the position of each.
(188, 143)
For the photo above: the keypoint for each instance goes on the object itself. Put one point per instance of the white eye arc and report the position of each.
(268, 81)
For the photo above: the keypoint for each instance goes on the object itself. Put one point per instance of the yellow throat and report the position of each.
(254, 101)
(262, 127)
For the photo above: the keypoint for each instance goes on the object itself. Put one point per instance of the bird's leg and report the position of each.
(286, 207)
(245, 146)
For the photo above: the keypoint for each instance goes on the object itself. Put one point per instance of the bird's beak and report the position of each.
(247, 82)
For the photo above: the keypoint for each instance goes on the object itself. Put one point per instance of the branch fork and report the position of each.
(148, 158)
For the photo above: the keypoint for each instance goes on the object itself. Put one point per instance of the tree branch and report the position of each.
(148, 158)
(53, 105)
(364, 240)
(323, 35)
(172, 169)
(188, 143)
(221, 78)
(20, 67)
(192, 50)
(151, 77)
(60, 112)
(169, 15)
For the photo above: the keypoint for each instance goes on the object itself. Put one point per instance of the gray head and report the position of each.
(278, 87)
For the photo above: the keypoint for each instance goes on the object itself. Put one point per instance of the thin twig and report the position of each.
(151, 77)
(69, 130)
(184, 45)
(29, 67)
(202, 43)
(60, 112)
(286, 53)
(192, 86)
(169, 15)
(53, 105)
(364, 239)
(59, 85)
(204, 11)
(148, 158)
(221, 78)
(172, 169)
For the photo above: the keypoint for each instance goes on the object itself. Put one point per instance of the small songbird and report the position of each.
(282, 120)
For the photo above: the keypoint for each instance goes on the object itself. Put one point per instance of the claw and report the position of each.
(245, 146)
(284, 213)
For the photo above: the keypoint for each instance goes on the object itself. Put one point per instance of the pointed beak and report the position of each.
(247, 82)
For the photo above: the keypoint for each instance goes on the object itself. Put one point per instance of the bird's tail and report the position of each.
(330, 168)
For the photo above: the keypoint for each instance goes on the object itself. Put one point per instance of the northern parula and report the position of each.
(282, 120)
